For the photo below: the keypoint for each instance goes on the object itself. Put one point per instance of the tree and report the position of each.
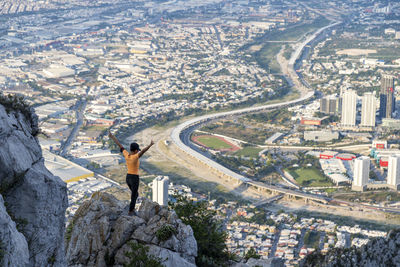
(251, 253)
(207, 230)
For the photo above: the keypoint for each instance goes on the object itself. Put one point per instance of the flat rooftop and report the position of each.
(65, 169)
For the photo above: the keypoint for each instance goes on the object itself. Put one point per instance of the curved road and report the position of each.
(180, 133)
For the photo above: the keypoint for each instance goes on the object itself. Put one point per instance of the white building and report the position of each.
(393, 177)
(349, 108)
(368, 110)
(160, 190)
(361, 173)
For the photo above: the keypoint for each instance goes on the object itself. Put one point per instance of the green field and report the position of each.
(296, 32)
(266, 57)
(213, 142)
(309, 177)
(251, 152)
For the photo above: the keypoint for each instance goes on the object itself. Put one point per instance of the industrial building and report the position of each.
(65, 169)
(321, 136)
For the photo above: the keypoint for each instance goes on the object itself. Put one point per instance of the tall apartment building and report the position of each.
(393, 176)
(329, 105)
(386, 97)
(349, 108)
(160, 190)
(361, 173)
(368, 110)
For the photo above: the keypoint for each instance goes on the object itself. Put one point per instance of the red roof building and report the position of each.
(346, 156)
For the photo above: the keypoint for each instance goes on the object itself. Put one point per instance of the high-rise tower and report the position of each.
(368, 110)
(361, 173)
(386, 97)
(329, 105)
(349, 108)
(393, 176)
(160, 190)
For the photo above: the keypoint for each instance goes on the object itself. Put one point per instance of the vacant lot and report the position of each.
(309, 177)
(356, 52)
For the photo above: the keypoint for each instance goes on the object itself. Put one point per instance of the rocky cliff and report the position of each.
(32, 200)
(378, 252)
(102, 234)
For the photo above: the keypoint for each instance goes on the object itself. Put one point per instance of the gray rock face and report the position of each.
(13, 245)
(102, 231)
(378, 252)
(35, 199)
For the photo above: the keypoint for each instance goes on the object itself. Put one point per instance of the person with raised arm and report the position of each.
(132, 163)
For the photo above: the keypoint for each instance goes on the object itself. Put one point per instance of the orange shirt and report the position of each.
(132, 162)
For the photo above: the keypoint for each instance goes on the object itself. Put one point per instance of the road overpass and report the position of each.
(268, 200)
(288, 192)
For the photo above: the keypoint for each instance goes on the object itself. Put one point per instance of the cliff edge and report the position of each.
(32, 200)
(102, 234)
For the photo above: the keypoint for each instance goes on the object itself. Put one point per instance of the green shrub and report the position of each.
(139, 258)
(165, 232)
(51, 260)
(251, 253)
(17, 103)
(68, 231)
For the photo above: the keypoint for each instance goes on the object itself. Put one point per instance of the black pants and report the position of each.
(133, 182)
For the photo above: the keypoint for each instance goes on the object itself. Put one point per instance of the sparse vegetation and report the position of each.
(17, 103)
(251, 253)
(68, 231)
(139, 257)
(165, 232)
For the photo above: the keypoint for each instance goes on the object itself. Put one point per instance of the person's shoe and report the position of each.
(132, 212)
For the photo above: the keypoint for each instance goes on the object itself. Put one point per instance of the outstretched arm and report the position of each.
(145, 149)
(115, 140)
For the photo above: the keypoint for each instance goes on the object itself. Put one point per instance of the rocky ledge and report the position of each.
(102, 234)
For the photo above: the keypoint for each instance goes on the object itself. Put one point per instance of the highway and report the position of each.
(181, 134)
(80, 107)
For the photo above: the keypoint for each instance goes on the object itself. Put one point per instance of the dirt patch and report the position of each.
(356, 52)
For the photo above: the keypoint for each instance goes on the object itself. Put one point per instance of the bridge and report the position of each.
(268, 200)
(288, 192)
